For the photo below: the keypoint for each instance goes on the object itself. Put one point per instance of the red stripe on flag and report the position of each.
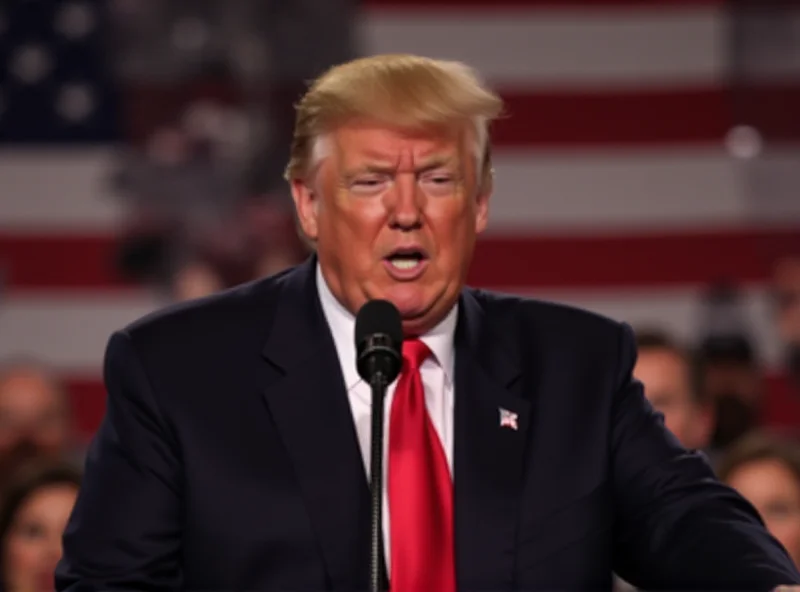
(658, 117)
(45, 261)
(88, 400)
(740, 256)
(618, 118)
(782, 406)
(49, 262)
(550, 119)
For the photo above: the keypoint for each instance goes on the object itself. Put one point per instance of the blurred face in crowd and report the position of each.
(775, 492)
(786, 285)
(666, 378)
(34, 420)
(33, 545)
(734, 389)
(195, 280)
(395, 216)
(787, 291)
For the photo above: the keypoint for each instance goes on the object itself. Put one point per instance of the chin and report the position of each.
(420, 311)
(410, 300)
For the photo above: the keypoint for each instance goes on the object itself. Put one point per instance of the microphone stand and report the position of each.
(379, 385)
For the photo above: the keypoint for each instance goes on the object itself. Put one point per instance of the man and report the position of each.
(520, 453)
(35, 419)
(731, 377)
(786, 286)
(666, 371)
(728, 371)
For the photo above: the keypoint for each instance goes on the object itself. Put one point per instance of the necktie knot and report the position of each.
(415, 352)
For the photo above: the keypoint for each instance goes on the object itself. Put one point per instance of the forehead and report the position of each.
(50, 500)
(664, 362)
(768, 475)
(27, 390)
(365, 141)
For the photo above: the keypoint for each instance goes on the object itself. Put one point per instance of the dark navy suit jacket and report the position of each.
(228, 459)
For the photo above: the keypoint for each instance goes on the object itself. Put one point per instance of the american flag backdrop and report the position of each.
(642, 159)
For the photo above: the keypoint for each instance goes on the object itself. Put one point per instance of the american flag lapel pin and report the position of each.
(509, 419)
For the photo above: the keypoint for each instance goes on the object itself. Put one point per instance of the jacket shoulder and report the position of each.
(234, 312)
(547, 316)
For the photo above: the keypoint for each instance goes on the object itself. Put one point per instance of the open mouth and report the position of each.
(407, 258)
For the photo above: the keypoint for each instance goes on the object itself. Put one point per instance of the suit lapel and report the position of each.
(488, 457)
(308, 403)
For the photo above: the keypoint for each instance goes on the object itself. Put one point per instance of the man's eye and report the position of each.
(368, 185)
(438, 183)
(438, 178)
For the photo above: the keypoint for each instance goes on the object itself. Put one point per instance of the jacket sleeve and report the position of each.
(678, 527)
(125, 530)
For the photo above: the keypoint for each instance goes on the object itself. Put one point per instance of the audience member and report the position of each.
(666, 370)
(37, 505)
(766, 471)
(729, 373)
(35, 419)
(731, 377)
(786, 286)
(193, 228)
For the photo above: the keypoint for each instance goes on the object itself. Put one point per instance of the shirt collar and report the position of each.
(342, 324)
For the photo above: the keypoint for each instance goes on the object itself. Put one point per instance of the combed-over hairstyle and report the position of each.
(404, 91)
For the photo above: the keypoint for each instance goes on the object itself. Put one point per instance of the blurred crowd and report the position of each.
(202, 177)
(712, 395)
(208, 209)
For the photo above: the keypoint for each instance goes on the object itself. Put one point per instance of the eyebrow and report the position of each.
(425, 166)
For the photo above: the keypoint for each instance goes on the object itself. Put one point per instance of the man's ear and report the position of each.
(306, 206)
(482, 206)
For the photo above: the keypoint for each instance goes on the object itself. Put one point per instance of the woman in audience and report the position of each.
(35, 510)
(766, 471)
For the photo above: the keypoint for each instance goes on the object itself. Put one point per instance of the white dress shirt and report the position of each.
(437, 377)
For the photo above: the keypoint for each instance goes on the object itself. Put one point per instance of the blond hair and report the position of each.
(404, 91)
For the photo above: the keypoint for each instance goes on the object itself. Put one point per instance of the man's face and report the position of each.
(33, 419)
(395, 216)
(665, 376)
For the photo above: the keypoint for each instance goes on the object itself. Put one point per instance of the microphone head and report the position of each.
(379, 340)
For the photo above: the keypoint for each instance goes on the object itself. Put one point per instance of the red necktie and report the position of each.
(420, 488)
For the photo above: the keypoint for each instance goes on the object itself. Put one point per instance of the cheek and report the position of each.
(787, 532)
(21, 555)
(452, 220)
(677, 425)
(682, 419)
(352, 220)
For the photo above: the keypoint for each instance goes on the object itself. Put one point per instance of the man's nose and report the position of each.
(407, 203)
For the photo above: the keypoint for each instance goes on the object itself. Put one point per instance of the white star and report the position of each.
(744, 142)
(75, 102)
(31, 63)
(75, 20)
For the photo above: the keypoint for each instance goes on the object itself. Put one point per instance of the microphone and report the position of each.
(379, 341)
